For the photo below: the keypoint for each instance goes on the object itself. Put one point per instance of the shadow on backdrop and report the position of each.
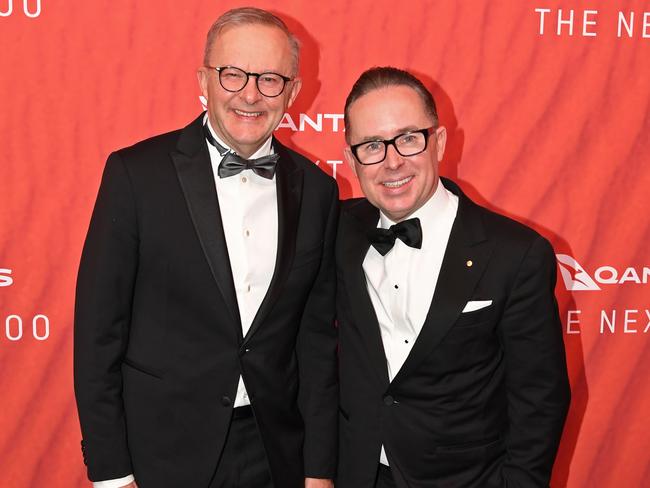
(311, 85)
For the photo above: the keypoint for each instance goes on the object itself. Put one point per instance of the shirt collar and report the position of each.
(433, 215)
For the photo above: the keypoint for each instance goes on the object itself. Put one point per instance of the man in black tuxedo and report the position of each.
(205, 345)
(452, 363)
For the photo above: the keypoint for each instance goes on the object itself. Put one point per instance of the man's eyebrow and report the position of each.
(369, 139)
(398, 132)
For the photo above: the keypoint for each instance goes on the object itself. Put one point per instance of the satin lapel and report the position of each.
(466, 257)
(361, 218)
(289, 180)
(194, 169)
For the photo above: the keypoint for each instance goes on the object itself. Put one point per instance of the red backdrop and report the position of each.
(548, 117)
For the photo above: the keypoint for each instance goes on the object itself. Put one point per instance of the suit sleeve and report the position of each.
(102, 316)
(317, 361)
(536, 375)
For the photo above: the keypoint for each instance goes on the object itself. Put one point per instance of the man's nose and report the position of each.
(250, 93)
(393, 159)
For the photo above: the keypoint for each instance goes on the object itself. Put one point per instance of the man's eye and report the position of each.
(407, 139)
(373, 147)
(269, 79)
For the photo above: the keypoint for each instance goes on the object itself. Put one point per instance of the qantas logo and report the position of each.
(576, 278)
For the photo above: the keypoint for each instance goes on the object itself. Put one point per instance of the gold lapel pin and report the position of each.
(469, 263)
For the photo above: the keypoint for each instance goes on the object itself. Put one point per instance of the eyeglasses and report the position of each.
(407, 144)
(233, 79)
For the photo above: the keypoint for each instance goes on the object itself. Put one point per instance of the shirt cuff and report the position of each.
(116, 483)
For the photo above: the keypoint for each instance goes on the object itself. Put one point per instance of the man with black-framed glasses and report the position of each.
(205, 345)
(452, 364)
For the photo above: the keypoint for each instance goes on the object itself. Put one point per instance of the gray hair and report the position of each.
(248, 16)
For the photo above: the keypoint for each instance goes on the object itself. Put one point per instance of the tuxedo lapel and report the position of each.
(194, 169)
(289, 181)
(466, 257)
(353, 252)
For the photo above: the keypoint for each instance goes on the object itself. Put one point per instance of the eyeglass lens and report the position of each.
(235, 79)
(407, 145)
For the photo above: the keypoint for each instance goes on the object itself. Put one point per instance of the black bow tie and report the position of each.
(408, 231)
(232, 164)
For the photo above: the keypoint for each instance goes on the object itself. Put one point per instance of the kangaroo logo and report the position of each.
(575, 277)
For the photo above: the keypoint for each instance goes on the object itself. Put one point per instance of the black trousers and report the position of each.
(243, 461)
(384, 477)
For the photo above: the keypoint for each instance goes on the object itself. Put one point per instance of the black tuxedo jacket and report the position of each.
(158, 339)
(482, 397)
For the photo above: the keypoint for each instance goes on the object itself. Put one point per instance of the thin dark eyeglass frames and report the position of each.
(234, 79)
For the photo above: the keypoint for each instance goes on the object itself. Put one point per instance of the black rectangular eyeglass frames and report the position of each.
(406, 144)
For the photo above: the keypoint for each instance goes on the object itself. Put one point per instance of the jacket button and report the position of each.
(388, 400)
(226, 401)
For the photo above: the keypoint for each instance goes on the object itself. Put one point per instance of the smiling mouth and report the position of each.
(250, 115)
(398, 183)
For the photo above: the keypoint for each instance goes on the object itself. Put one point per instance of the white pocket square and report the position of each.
(474, 305)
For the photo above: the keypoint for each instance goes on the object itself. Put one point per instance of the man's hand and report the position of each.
(130, 485)
(318, 483)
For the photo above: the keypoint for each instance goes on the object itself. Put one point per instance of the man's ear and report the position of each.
(441, 141)
(296, 85)
(202, 75)
(350, 159)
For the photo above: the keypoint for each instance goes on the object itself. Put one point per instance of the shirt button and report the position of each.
(247, 232)
(243, 179)
(248, 288)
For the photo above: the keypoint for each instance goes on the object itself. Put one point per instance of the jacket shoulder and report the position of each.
(312, 172)
(354, 207)
(495, 223)
(512, 237)
(152, 146)
(349, 204)
(498, 221)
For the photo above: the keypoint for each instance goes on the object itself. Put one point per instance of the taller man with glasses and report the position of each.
(452, 364)
(205, 348)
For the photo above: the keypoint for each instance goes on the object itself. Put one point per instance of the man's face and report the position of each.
(245, 119)
(400, 184)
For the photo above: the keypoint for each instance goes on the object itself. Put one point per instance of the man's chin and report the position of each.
(246, 143)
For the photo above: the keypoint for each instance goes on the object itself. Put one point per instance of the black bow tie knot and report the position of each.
(232, 164)
(408, 231)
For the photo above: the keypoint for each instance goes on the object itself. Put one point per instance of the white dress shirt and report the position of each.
(249, 214)
(401, 284)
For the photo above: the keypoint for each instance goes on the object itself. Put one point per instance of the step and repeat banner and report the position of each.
(547, 105)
